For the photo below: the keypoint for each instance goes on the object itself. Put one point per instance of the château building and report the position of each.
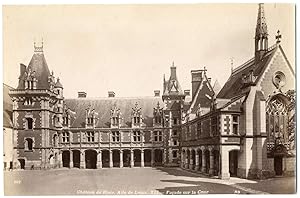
(244, 129)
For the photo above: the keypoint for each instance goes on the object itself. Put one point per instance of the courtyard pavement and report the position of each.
(134, 181)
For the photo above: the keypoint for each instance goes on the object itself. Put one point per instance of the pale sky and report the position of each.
(128, 48)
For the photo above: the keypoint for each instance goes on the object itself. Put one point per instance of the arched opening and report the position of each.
(116, 158)
(90, 159)
(22, 163)
(194, 159)
(66, 158)
(188, 155)
(55, 140)
(233, 163)
(278, 165)
(147, 157)
(105, 159)
(51, 161)
(216, 162)
(158, 157)
(200, 159)
(137, 157)
(28, 144)
(76, 158)
(207, 161)
(29, 123)
(126, 158)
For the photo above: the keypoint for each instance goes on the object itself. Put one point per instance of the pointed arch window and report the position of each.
(28, 144)
(29, 123)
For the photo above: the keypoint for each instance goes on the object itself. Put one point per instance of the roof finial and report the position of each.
(173, 65)
(278, 37)
(38, 49)
(204, 70)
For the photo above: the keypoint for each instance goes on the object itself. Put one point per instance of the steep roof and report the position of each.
(103, 107)
(38, 65)
(172, 86)
(234, 85)
(7, 107)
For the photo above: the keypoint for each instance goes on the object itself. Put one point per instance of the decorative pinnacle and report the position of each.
(173, 65)
(278, 37)
(38, 49)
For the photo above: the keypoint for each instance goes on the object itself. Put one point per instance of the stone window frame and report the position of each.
(235, 124)
(137, 136)
(115, 136)
(157, 136)
(26, 146)
(176, 154)
(90, 136)
(25, 121)
(65, 137)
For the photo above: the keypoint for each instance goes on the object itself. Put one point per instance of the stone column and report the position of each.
(211, 162)
(197, 161)
(110, 159)
(152, 157)
(82, 159)
(60, 161)
(142, 158)
(164, 156)
(191, 160)
(186, 164)
(131, 159)
(225, 164)
(99, 159)
(121, 158)
(71, 159)
(203, 161)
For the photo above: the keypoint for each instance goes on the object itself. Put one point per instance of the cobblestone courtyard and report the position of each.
(134, 181)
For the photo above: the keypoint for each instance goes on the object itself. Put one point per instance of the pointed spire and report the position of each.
(261, 34)
(261, 26)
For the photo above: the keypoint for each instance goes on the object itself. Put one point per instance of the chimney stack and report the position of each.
(22, 69)
(111, 94)
(82, 94)
(196, 80)
(156, 93)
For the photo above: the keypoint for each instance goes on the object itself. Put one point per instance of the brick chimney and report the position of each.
(82, 94)
(111, 94)
(196, 80)
(156, 93)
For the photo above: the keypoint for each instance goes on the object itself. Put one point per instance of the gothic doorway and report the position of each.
(116, 158)
(278, 165)
(90, 159)
(76, 158)
(233, 163)
(158, 155)
(66, 158)
(147, 157)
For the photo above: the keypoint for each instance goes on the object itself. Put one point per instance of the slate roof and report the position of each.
(39, 65)
(234, 85)
(103, 106)
(7, 107)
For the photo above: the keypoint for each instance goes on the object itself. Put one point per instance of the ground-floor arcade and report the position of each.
(109, 158)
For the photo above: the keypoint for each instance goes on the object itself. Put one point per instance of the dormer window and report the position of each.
(157, 114)
(66, 120)
(90, 121)
(91, 117)
(30, 80)
(115, 121)
(157, 120)
(136, 120)
(136, 115)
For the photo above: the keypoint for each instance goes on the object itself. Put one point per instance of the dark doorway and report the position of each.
(200, 159)
(207, 161)
(22, 163)
(76, 159)
(194, 159)
(116, 158)
(147, 157)
(137, 158)
(233, 163)
(158, 156)
(90, 159)
(126, 158)
(66, 158)
(105, 159)
(278, 165)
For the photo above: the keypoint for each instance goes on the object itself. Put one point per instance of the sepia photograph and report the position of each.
(149, 99)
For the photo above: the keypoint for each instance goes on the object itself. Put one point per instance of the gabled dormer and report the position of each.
(136, 116)
(157, 115)
(115, 117)
(91, 118)
(30, 79)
